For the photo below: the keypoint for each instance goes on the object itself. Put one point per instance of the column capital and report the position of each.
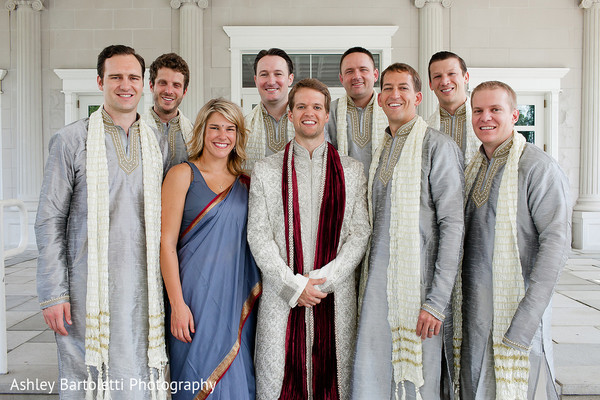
(175, 4)
(444, 3)
(37, 5)
(588, 3)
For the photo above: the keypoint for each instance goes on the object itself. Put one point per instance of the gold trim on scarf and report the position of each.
(220, 370)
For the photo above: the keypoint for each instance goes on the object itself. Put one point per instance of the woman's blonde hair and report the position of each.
(233, 114)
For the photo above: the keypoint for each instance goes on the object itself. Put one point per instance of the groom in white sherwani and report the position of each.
(308, 230)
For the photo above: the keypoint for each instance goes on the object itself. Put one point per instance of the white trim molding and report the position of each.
(444, 3)
(76, 82)
(245, 39)
(588, 3)
(3, 73)
(36, 5)
(544, 81)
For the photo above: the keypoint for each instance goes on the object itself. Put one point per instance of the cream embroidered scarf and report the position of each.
(404, 270)
(97, 333)
(184, 123)
(511, 366)
(255, 149)
(379, 124)
(473, 142)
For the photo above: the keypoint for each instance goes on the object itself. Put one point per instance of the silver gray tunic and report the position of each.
(172, 131)
(441, 230)
(61, 233)
(360, 123)
(544, 240)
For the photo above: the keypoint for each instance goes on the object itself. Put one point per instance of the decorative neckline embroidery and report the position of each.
(487, 172)
(389, 161)
(460, 120)
(361, 136)
(274, 142)
(127, 164)
(174, 129)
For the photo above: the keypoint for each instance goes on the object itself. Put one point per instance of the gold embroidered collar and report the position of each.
(275, 142)
(390, 158)
(361, 133)
(127, 163)
(460, 120)
(487, 172)
(174, 129)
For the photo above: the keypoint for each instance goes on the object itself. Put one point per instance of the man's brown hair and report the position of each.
(172, 61)
(117, 50)
(401, 67)
(310, 83)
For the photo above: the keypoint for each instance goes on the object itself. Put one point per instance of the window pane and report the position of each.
(324, 67)
(526, 115)
(529, 135)
(377, 62)
(92, 109)
(301, 66)
(248, 70)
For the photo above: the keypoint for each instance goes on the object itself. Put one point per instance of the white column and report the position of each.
(28, 126)
(191, 48)
(431, 40)
(2, 75)
(586, 216)
(28, 65)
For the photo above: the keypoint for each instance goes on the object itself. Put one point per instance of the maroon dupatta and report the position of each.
(324, 361)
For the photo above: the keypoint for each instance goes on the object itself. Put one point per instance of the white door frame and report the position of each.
(76, 82)
(544, 81)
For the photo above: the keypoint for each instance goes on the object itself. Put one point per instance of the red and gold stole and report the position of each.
(324, 361)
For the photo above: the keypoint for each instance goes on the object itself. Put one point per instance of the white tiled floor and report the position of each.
(576, 329)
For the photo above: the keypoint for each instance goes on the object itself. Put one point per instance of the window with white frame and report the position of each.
(315, 51)
(322, 66)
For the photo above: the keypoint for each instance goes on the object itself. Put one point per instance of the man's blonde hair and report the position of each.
(492, 85)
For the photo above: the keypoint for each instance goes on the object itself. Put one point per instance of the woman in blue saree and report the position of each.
(211, 279)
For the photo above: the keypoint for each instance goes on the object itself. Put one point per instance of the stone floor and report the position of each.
(32, 360)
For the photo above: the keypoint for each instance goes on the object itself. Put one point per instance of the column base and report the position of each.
(586, 230)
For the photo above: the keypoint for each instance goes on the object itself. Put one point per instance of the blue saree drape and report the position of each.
(220, 283)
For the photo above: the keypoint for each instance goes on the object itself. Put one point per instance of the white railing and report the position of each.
(3, 255)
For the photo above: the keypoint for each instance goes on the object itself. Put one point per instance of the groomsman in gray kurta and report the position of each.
(356, 117)
(416, 205)
(169, 80)
(517, 228)
(269, 128)
(448, 78)
(98, 235)
(307, 314)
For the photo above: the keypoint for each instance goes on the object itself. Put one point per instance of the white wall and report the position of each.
(486, 33)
